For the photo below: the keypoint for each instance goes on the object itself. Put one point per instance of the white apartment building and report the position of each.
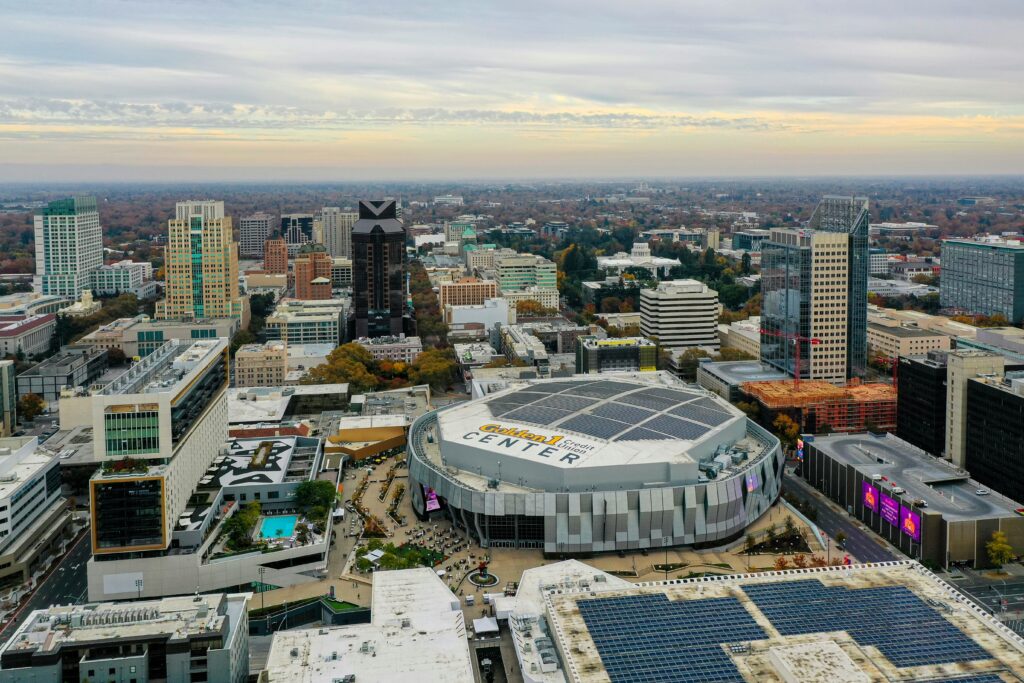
(680, 313)
(123, 277)
(742, 335)
(308, 322)
(69, 246)
(336, 230)
(253, 231)
(545, 296)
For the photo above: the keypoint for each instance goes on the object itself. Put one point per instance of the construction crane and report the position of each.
(796, 339)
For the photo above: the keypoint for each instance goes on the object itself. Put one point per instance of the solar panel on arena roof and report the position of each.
(599, 427)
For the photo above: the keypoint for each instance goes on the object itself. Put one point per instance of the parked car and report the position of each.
(982, 492)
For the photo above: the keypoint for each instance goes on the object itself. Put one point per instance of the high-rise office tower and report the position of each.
(336, 227)
(297, 229)
(378, 270)
(680, 314)
(8, 397)
(850, 216)
(69, 246)
(804, 309)
(253, 231)
(312, 269)
(814, 286)
(201, 265)
(275, 255)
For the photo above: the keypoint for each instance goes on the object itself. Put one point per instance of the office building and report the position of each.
(900, 231)
(485, 256)
(994, 430)
(805, 289)
(933, 323)
(926, 507)
(69, 246)
(261, 365)
(921, 402)
(341, 272)
(176, 640)
(896, 341)
(312, 272)
(467, 291)
(140, 336)
(984, 277)
(878, 262)
(962, 366)
(516, 273)
(378, 270)
(157, 427)
(417, 633)
(336, 226)
(29, 335)
(742, 335)
(624, 354)
(473, 356)
(1006, 341)
(308, 322)
(520, 346)
(819, 406)
(296, 229)
(201, 262)
(36, 522)
(726, 378)
(8, 398)
(448, 200)
(546, 297)
(253, 231)
(398, 348)
(598, 453)
(680, 314)
(454, 230)
(909, 269)
(275, 255)
(70, 367)
(123, 277)
(752, 239)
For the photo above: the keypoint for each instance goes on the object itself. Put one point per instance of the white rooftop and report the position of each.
(417, 630)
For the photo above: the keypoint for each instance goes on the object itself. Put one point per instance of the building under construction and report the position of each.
(821, 406)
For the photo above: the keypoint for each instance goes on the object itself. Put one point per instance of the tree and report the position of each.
(435, 367)
(260, 305)
(786, 429)
(841, 538)
(780, 564)
(731, 354)
(751, 408)
(771, 535)
(528, 308)
(241, 338)
(349, 363)
(30, 406)
(750, 543)
(115, 356)
(999, 550)
(800, 561)
(316, 493)
(688, 362)
(790, 526)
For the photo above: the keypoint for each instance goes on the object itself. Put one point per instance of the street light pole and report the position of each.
(262, 572)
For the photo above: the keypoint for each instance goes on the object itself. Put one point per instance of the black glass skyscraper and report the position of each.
(378, 270)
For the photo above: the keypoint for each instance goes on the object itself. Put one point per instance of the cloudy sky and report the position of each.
(332, 90)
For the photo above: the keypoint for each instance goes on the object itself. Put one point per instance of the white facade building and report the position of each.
(253, 231)
(123, 277)
(336, 228)
(639, 257)
(680, 313)
(400, 348)
(69, 246)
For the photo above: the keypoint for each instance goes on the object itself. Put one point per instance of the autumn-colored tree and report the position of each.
(528, 308)
(786, 429)
(800, 561)
(435, 367)
(349, 363)
(781, 563)
(30, 406)
(999, 550)
(731, 354)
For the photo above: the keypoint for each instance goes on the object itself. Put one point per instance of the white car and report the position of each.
(982, 492)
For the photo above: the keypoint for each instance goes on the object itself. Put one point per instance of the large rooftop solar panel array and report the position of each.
(606, 408)
(647, 638)
(904, 628)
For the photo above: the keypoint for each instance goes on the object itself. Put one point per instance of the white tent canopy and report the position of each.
(485, 625)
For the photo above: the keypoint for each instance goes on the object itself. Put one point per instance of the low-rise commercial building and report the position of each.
(467, 291)
(546, 297)
(893, 317)
(896, 341)
(261, 365)
(477, 322)
(177, 640)
(24, 304)
(925, 506)
(71, 367)
(308, 322)
(395, 348)
(341, 272)
(727, 378)
(473, 356)
(124, 277)
(519, 346)
(742, 335)
(140, 336)
(28, 335)
(623, 354)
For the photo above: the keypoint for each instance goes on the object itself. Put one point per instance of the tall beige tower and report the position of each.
(961, 366)
(201, 265)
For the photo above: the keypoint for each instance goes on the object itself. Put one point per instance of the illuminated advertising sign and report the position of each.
(910, 523)
(751, 482)
(869, 494)
(432, 501)
(800, 450)
(890, 509)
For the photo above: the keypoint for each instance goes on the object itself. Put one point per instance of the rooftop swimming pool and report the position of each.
(279, 526)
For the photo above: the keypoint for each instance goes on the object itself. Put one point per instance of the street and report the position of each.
(66, 583)
(863, 545)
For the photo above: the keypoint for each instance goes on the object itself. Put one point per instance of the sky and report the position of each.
(418, 90)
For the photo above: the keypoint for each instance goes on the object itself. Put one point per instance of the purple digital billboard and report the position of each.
(751, 482)
(890, 509)
(869, 494)
(432, 501)
(910, 523)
